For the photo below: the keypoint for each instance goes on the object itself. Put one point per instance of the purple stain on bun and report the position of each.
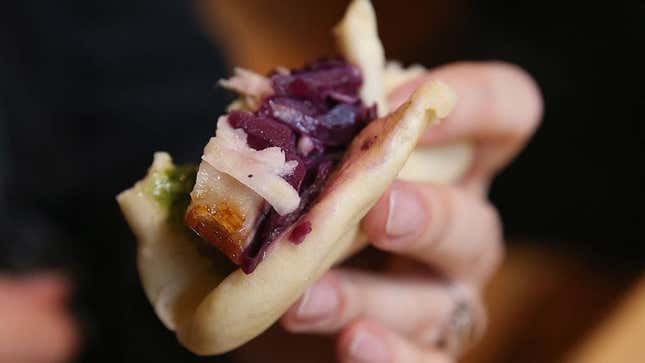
(318, 106)
(299, 232)
(367, 144)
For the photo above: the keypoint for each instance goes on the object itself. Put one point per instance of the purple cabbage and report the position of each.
(321, 102)
(322, 82)
(263, 132)
(273, 224)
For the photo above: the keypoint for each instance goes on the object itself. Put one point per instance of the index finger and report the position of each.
(499, 107)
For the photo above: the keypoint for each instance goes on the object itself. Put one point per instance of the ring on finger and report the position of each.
(466, 323)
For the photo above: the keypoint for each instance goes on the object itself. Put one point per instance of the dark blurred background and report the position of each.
(89, 90)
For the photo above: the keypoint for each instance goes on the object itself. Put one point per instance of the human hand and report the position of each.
(35, 326)
(445, 240)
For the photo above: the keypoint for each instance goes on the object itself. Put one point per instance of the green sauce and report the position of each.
(171, 189)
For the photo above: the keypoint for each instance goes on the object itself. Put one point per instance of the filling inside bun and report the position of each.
(272, 154)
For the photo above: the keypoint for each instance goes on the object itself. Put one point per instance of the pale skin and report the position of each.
(444, 241)
(37, 326)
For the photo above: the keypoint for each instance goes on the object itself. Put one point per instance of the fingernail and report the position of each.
(319, 302)
(406, 214)
(368, 348)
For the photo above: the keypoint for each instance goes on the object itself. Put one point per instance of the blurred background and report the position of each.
(89, 90)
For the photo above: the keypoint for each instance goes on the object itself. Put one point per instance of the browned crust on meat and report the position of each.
(220, 226)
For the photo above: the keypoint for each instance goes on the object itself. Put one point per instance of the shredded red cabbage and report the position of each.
(321, 102)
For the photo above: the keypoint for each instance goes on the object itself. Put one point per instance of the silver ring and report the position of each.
(465, 325)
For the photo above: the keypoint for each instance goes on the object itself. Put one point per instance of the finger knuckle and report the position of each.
(519, 110)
